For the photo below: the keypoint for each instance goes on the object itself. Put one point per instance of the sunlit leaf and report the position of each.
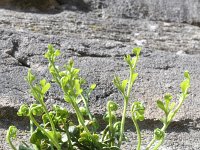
(137, 51)
(57, 53)
(186, 74)
(172, 105)
(30, 77)
(124, 84)
(185, 85)
(127, 58)
(112, 106)
(43, 82)
(161, 105)
(46, 88)
(134, 76)
(83, 110)
(23, 110)
(37, 109)
(93, 86)
(170, 117)
(12, 132)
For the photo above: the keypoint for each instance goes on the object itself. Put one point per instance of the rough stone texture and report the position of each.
(165, 10)
(97, 40)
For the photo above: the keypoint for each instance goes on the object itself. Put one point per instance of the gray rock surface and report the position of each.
(97, 40)
(165, 10)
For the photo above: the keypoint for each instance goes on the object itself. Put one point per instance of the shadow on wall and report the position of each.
(45, 6)
(80, 4)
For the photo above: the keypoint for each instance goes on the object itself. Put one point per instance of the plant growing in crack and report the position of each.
(56, 129)
(170, 109)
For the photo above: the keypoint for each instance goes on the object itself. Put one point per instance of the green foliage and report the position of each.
(12, 131)
(170, 109)
(23, 110)
(56, 130)
(138, 111)
(158, 134)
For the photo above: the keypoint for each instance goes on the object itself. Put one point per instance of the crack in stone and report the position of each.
(19, 90)
(95, 55)
(23, 62)
(15, 48)
(86, 54)
(167, 67)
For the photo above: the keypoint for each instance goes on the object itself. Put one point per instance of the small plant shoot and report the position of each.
(54, 129)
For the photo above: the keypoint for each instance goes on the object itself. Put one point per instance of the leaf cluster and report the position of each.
(53, 129)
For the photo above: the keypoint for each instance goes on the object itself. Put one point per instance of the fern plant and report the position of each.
(57, 131)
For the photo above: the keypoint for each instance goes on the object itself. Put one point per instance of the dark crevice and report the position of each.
(23, 62)
(10, 114)
(151, 124)
(196, 24)
(175, 126)
(142, 54)
(80, 4)
(46, 6)
(86, 54)
(192, 52)
(15, 48)
(167, 67)
(15, 88)
(105, 95)
(7, 112)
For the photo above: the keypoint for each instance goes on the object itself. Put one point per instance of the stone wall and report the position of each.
(165, 10)
(97, 40)
(185, 11)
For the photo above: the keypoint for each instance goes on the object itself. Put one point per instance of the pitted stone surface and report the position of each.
(97, 41)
